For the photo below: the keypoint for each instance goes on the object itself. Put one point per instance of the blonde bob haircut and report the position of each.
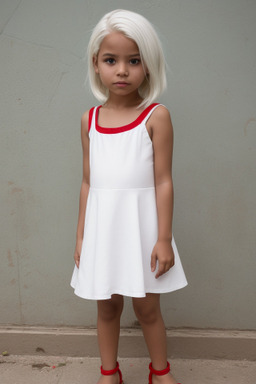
(138, 28)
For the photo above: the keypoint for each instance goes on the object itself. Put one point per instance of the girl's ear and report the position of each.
(95, 64)
(147, 71)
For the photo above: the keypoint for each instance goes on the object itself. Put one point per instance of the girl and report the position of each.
(124, 235)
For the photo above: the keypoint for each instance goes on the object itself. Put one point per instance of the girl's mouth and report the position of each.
(121, 84)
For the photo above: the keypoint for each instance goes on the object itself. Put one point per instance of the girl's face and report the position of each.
(119, 65)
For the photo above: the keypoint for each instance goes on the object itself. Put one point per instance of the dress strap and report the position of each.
(151, 109)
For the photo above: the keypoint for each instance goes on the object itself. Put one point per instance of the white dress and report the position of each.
(120, 228)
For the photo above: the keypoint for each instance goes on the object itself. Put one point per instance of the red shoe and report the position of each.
(158, 373)
(112, 372)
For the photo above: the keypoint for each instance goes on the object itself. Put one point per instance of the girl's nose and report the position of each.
(122, 69)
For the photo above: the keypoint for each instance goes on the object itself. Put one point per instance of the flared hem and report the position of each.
(127, 294)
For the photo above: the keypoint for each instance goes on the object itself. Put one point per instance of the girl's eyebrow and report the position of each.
(113, 55)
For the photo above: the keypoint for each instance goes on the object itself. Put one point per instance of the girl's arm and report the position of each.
(162, 140)
(84, 187)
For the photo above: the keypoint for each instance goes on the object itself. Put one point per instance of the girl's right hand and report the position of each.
(78, 252)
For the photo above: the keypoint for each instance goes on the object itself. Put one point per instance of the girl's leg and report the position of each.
(108, 325)
(148, 312)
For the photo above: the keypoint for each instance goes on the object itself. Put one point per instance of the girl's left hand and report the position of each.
(162, 252)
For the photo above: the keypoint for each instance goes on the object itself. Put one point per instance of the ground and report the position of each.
(67, 370)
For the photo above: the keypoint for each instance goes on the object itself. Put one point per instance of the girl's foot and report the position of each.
(165, 379)
(161, 377)
(113, 379)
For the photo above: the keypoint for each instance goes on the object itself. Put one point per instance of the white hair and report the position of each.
(140, 30)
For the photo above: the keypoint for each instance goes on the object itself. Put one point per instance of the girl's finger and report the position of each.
(153, 262)
(161, 270)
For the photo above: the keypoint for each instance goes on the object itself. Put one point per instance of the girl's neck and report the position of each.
(122, 102)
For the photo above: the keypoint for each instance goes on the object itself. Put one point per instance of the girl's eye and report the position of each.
(110, 60)
(135, 61)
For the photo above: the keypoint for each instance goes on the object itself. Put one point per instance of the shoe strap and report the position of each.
(158, 373)
(112, 372)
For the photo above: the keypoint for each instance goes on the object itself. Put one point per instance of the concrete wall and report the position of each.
(210, 48)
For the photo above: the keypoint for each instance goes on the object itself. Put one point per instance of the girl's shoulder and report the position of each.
(86, 120)
(160, 117)
(161, 112)
(84, 124)
(85, 117)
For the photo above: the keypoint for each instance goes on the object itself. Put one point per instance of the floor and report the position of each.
(66, 370)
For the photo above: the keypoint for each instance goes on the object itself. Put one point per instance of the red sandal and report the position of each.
(112, 372)
(158, 373)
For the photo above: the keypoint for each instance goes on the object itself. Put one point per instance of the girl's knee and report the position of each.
(146, 312)
(109, 310)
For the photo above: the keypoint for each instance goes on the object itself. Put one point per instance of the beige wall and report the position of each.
(210, 48)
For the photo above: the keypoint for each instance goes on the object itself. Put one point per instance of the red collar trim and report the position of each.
(124, 128)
